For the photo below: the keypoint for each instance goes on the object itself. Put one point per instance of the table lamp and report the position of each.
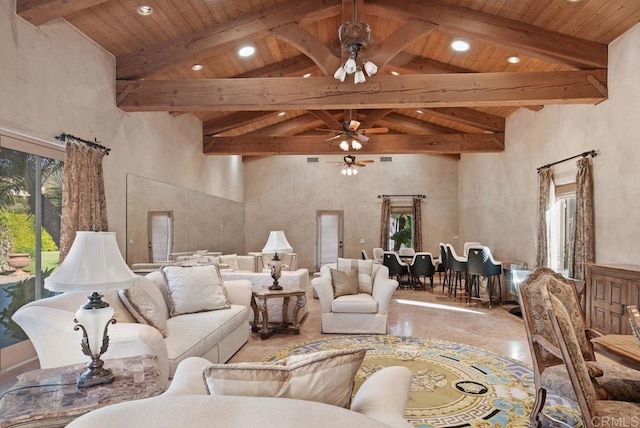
(93, 264)
(276, 243)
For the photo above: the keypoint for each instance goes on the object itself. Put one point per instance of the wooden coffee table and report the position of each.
(50, 397)
(260, 311)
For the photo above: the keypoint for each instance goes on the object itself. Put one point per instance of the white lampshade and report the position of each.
(94, 263)
(359, 77)
(277, 243)
(370, 68)
(350, 66)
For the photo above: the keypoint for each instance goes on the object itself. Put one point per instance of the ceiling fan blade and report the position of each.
(367, 161)
(353, 125)
(361, 137)
(375, 130)
(360, 164)
(327, 130)
(334, 137)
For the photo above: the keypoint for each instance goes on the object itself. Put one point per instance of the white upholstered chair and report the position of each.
(357, 313)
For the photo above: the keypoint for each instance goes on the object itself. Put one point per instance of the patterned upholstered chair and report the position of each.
(480, 263)
(441, 266)
(617, 382)
(422, 266)
(595, 412)
(457, 266)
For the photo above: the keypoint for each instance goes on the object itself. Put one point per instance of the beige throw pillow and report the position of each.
(195, 289)
(364, 268)
(344, 282)
(323, 377)
(146, 303)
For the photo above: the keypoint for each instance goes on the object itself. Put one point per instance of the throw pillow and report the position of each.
(146, 303)
(344, 282)
(365, 269)
(324, 377)
(195, 289)
(231, 260)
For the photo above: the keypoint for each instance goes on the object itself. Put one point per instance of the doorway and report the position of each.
(160, 235)
(329, 237)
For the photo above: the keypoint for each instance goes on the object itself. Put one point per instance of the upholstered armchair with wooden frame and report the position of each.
(596, 412)
(614, 381)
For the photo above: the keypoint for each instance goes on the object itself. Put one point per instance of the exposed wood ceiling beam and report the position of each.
(399, 39)
(382, 144)
(288, 127)
(294, 66)
(412, 91)
(526, 39)
(421, 65)
(206, 42)
(38, 12)
(373, 117)
(397, 120)
(471, 117)
(328, 119)
(309, 45)
(233, 120)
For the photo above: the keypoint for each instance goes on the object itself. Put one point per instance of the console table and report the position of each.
(51, 398)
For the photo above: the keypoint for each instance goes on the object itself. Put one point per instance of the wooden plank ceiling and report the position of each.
(431, 98)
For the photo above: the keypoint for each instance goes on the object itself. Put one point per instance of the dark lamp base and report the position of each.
(275, 287)
(93, 376)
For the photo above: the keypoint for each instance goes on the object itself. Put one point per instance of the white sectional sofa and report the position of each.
(214, 335)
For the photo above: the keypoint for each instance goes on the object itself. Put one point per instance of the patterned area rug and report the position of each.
(453, 385)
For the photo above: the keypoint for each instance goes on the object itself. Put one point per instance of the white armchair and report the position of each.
(358, 313)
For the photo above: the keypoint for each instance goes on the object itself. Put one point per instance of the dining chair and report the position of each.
(468, 245)
(365, 256)
(396, 267)
(617, 382)
(378, 254)
(480, 264)
(596, 412)
(406, 251)
(457, 267)
(422, 266)
(442, 266)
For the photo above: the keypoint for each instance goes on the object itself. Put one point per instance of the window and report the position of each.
(400, 229)
(30, 209)
(561, 224)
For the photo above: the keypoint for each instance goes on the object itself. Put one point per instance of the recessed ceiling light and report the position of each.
(574, 1)
(246, 51)
(419, 111)
(513, 59)
(145, 10)
(197, 67)
(395, 73)
(282, 113)
(307, 75)
(460, 45)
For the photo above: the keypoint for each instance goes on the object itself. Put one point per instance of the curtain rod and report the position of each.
(591, 153)
(402, 196)
(94, 144)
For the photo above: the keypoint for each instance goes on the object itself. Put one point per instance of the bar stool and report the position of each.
(480, 263)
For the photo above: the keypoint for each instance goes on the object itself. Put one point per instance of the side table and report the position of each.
(263, 326)
(51, 398)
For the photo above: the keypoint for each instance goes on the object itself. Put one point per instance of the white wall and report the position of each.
(284, 192)
(498, 192)
(53, 80)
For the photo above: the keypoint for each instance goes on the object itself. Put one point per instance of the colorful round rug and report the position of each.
(454, 385)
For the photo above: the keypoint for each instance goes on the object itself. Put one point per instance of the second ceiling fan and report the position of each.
(352, 136)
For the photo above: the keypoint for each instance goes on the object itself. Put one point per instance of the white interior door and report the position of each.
(329, 233)
(160, 235)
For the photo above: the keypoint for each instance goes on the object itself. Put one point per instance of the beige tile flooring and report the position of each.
(411, 313)
(419, 313)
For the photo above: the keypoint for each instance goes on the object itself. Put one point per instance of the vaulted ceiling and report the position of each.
(431, 98)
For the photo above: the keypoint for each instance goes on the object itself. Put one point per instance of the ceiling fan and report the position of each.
(350, 131)
(349, 164)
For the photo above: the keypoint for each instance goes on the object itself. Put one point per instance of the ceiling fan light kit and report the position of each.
(355, 36)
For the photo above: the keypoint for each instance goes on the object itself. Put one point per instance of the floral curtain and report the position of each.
(384, 223)
(417, 224)
(544, 188)
(583, 246)
(84, 206)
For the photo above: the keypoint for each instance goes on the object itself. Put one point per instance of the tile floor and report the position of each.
(411, 313)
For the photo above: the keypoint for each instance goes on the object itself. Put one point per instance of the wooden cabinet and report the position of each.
(609, 289)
